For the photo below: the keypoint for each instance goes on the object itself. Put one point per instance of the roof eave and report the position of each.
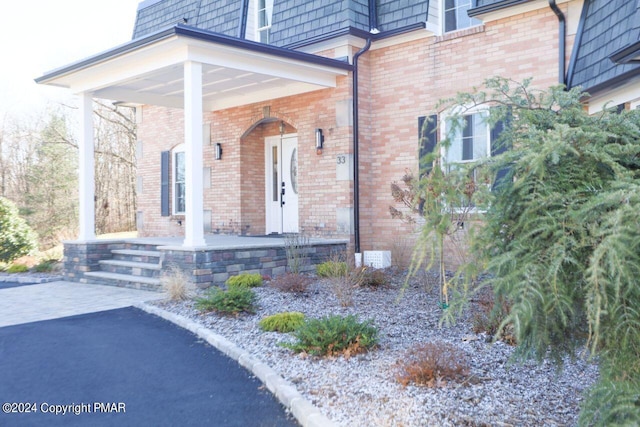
(195, 33)
(356, 32)
(613, 83)
(106, 55)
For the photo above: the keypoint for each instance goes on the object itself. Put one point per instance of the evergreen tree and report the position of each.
(561, 234)
(16, 237)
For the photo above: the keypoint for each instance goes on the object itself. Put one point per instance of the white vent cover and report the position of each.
(377, 259)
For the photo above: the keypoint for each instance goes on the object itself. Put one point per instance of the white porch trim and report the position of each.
(86, 170)
(194, 226)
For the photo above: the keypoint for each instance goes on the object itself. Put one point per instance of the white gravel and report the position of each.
(363, 391)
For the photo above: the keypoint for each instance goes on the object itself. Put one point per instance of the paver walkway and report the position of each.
(31, 303)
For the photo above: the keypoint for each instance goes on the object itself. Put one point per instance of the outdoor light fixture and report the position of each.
(319, 141)
(218, 153)
(281, 127)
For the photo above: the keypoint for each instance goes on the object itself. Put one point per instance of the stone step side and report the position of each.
(130, 267)
(124, 280)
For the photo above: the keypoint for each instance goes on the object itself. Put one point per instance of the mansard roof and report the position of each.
(294, 22)
(606, 27)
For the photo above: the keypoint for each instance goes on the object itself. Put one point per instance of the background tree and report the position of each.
(561, 237)
(38, 156)
(16, 237)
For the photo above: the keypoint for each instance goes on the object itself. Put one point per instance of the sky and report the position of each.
(37, 36)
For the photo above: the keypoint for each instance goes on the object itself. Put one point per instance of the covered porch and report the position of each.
(190, 69)
(199, 73)
(140, 262)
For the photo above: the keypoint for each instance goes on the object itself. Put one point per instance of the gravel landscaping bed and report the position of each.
(363, 390)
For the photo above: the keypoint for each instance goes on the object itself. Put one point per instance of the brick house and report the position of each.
(259, 117)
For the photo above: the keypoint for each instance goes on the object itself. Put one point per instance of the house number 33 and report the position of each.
(342, 160)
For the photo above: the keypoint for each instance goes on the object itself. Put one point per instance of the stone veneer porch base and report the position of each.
(205, 266)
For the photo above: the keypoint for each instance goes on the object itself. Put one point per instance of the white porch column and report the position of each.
(194, 224)
(86, 170)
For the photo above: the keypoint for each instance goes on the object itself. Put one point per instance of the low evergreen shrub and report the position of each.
(46, 266)
(245, 280)
(334, 335)
(332, 269)
(282, 322)
(234, 301)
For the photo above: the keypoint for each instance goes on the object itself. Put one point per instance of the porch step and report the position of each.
(134, 255)
(134, 268)
(125, 280)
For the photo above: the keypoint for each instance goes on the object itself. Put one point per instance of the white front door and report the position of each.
(281, 168)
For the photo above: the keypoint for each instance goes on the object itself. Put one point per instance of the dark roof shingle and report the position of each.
(294, 22)
(608, 26)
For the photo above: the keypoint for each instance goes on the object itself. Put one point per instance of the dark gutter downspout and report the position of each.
(561, 41)
(356, 162)
(242, 28)
(373, 17)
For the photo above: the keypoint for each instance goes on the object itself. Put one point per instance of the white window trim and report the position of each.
(174, 199)
(269, 10)
(443, 134)
(442, 6)
(444, 130)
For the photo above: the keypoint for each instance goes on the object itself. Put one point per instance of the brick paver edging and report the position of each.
(306, 413)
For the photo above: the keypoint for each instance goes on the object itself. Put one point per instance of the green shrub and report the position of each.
(245, 280)
(46, 266)
(334, 335)
(17, 268)
(282, 322)
(235, 300)
(16, 237)
(332, 269)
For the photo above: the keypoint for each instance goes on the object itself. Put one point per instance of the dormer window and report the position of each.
(265, 12)
(455, 15)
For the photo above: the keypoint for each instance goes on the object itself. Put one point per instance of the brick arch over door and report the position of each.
(275, 117)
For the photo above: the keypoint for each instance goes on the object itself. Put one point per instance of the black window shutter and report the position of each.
(499, 146)
(427, 137)
(164, 183)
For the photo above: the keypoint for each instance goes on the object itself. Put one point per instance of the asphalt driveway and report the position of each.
(125, 367)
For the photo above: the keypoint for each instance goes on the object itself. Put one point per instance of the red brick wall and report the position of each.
(397, 85)
(407, 81)
(236, 196)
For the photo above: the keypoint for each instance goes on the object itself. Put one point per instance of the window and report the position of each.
(265, 12)
(470, 139)
(455, 15)
(178, 157)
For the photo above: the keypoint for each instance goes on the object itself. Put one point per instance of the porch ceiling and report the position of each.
(234, 72)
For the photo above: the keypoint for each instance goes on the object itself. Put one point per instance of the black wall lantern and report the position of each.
(319, 141)
(218, 152)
